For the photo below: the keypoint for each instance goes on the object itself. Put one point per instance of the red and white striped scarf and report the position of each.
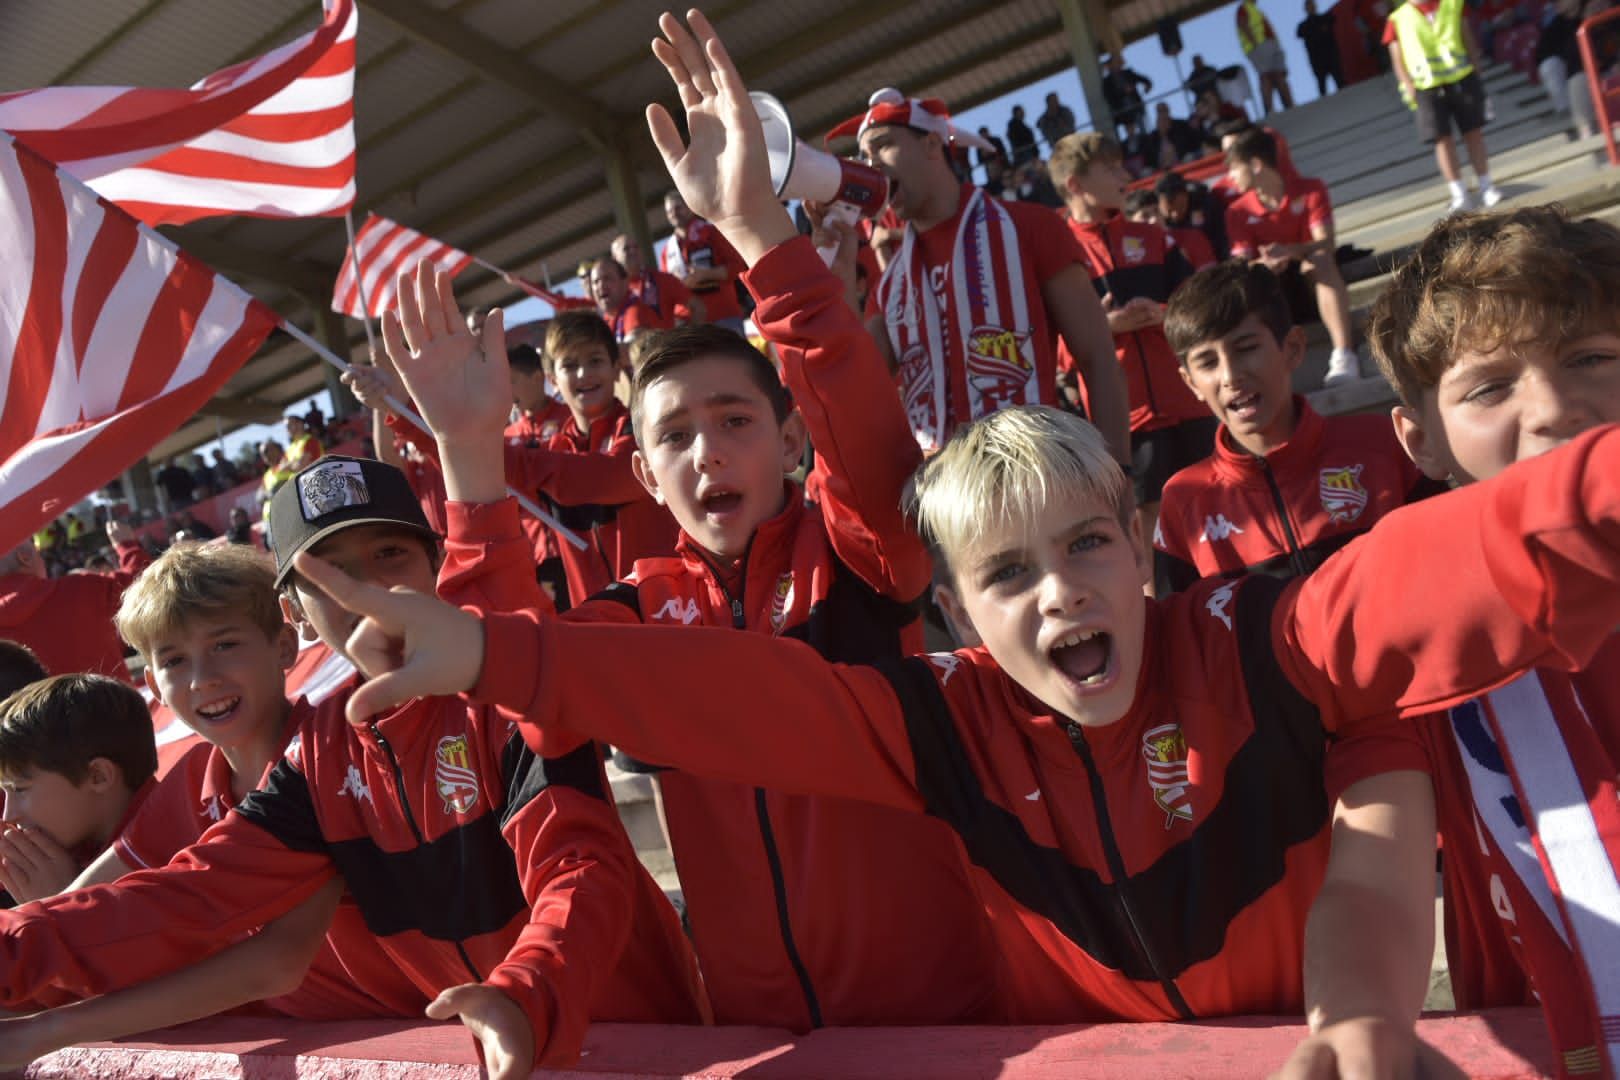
(972, 351)
(1551, 809)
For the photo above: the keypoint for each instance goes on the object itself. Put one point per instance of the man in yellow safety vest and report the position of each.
(1265, 52)
(1434, 55)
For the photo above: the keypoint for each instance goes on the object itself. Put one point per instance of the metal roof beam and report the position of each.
(293, 274)
(498, 64)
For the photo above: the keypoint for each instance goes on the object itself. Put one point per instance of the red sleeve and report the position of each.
(1319, 207)
(1371, 749)
(167, 820)
(578, 873)
(1389, 31)
(865, 451)
(578, 479)
(1238, 238)
(1452, 596)
(236, 878)
(783, 718)
(672, 290)
(488, 560)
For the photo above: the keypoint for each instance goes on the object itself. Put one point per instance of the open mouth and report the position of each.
(216, 711)
(1244, 406)
(1084, 656)
(720, 501)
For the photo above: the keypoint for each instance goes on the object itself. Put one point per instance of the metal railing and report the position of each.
(1594, 78)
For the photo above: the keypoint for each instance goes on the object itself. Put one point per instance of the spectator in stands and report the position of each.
(1210, 113)
(177, 484)
(709, 266)
(1056, 122)
(1143, 207)
(202, 476)
(1265, 52)
(197, 530)
(1171, 140)
(276, 471)
(303, 448)
(1494, 17)
(1559, 66)
(67, 621)
(618, 306)
(226, 474)
(1191, 208)
(1031, 184)
(1201, 80)
(1435, 57)
(1020, 138)
(1287, 224)
(665, 295)
(315, 421)
(240, 527)
(1122, 89)
(994, 163)
(1322, 47)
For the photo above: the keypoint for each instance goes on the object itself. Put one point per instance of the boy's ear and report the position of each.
(101, 775)
(1293, 347)
(957, 619)
(294, 614)
(1420, 444)
(794, 437)
(152, 685)
(287, 645)
(644, 474)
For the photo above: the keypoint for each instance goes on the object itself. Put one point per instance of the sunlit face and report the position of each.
(713, 451)
(71, 814)
(628, 252)
(1102, 185)
(675, 211)
(1246, 379)
(385, 555)
(1058, 602)
(608, 286)
(907, 158)
(584, 375)
(224, 677)
(1493, 409)
(1241, 174)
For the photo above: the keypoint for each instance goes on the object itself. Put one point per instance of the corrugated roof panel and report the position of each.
(36, 44)
(186, 39)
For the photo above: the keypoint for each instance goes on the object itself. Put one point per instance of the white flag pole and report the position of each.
(522, 500)
(360, 283)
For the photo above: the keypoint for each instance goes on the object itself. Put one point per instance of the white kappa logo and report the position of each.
(1218, 601)
(686, 614)
(355, 784)
(1217, 528)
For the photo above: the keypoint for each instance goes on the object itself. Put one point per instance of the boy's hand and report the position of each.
(495, 1020)
(1367, 1047)
(722, 171)
(32, 865)
(407, 644)
(461, 383)
(371, 385)
(119, 532)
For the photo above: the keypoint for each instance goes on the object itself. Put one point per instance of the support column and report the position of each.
(139, 487)
(329, 325)
(1078, 26)
(629, 208)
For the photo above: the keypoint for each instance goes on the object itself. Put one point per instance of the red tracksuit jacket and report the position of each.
(1128, 259)
(810, 910)
(470, 857)
(1161, 867)
(1234, 513)
(68, 621)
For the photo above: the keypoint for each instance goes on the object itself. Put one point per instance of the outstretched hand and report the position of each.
(407, 644)
(722, 170)
(461, 382)
(495, 1020)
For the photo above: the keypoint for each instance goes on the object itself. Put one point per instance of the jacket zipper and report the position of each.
(1296, 557)
(1116, 867)
(767, 834)
(416, 830)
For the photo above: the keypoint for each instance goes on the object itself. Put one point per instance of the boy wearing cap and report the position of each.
(499, 885)
(963, 351)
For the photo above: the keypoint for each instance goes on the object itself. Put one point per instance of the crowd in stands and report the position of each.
(1008, 640)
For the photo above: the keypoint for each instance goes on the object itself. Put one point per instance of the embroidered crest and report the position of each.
(1165, 749)
(998, 367)
(453, 775)
(781, 602)
(1135, 251)
(1343, 497)
(331, 486)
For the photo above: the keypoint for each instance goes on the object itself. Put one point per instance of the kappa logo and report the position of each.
(781, 602)
(1343, 497)
(1158, 532)
(214, 808)
(684, 613)
(1218, 602)
(1217, 528)
(1135, 251)
(355, 784)
(453, 774)
(295, 751)
(946, 662)
(1165, 749)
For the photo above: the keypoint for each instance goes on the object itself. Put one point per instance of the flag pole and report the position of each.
(545, 272)
(399, 408)
(360, 283)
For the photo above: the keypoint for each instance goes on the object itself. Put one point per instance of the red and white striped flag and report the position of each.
(387, 249)
(110, 339)
(269, 137)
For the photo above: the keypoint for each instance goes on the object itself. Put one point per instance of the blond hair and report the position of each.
(1010, 466)
(1074, 155)
(195, 580)
(1484, 281)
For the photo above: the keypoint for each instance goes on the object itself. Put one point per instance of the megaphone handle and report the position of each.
(838, 213)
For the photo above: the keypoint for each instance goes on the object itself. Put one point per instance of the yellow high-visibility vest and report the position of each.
(1251, 26)
(1433, 50)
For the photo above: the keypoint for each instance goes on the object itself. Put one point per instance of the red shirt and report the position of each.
(702, 247)
(68, 621)
(631, 319)
(665, 295)
(1251, 226)
(534, 430)
(1194, 244)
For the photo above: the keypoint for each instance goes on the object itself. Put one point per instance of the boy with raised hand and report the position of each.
(805, 911)
(1286, 223)
(1501, 339)
(1285, 487)
(1138, 783)
(76, 762)
(499, 886)
(1135, 268)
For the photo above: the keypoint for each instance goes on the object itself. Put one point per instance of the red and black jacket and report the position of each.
(533, 431)
(470, 858)
(1282, 514)
(1127, 259)
(1161, 867)
(807, 910)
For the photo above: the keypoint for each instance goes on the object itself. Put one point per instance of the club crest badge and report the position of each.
(1165, 749)
(1135, 251)
(1343, 497)
(453, 774)
(781, 602)
(331, 486)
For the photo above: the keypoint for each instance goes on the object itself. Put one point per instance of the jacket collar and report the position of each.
(1237, 465)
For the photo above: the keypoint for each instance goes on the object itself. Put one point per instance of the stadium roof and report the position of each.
(492, 124)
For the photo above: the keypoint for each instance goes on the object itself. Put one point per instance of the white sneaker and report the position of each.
(1343, 366)
(1490, 197)
(1460, 203)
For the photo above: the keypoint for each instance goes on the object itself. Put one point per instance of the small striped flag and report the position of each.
(386, 250)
